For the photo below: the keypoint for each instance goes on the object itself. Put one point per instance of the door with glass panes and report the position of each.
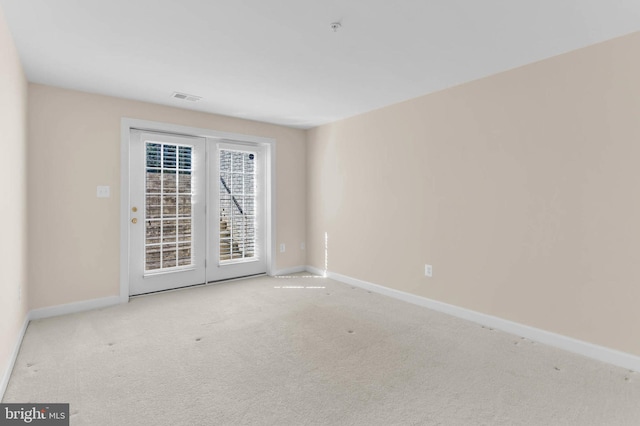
(238, 195)
(196, 211)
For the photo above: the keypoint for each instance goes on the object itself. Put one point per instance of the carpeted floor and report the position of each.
(254, 353)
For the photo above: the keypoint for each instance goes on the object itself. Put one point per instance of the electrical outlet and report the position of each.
(301, 246)
(103, 192)
(282, 248)
(428, 271)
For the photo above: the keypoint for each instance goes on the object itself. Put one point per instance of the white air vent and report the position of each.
(185, 97)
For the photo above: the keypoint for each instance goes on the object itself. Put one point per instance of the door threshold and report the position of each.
(244, 277)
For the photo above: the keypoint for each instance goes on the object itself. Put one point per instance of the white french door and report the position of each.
(167, 211)
(197, 211)
(238, 196)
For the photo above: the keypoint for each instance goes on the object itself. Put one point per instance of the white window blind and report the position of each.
(237, 206)
(168, 199)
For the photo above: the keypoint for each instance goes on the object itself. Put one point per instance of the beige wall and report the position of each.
(522, 189)
(74, 145)
(13, 140)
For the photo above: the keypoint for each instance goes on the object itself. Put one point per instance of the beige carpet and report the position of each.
(248, 353)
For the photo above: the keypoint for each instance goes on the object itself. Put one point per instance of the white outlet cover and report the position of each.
(428, 270)
(103, 192)
(282, 248)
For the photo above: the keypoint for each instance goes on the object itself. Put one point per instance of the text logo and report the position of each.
(34, 414)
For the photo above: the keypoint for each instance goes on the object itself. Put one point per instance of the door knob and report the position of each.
(134, 220)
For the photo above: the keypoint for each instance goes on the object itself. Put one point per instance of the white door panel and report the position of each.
(167, 223)
(237, 195)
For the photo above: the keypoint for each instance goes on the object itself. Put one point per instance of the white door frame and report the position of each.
(127, 124)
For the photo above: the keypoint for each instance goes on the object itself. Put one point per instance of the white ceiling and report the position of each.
(278, 61)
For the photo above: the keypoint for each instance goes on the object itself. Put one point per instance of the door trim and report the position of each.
(127, 124)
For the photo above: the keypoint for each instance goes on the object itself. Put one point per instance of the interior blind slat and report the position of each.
(237, 205)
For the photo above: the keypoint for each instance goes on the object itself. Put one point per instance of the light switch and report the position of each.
(103, 192)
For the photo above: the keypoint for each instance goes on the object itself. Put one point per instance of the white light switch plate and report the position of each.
(103, 192)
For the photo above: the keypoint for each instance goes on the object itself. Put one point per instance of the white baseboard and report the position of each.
(289, 271)
(72, 308)
(12, 359)
(590, 350)
(315, 271)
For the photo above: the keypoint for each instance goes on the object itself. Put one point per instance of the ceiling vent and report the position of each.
(185, 97)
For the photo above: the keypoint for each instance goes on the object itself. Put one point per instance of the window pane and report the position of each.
(169, 256)
(152, 258)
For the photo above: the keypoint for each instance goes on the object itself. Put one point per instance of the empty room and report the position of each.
(306, 212)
